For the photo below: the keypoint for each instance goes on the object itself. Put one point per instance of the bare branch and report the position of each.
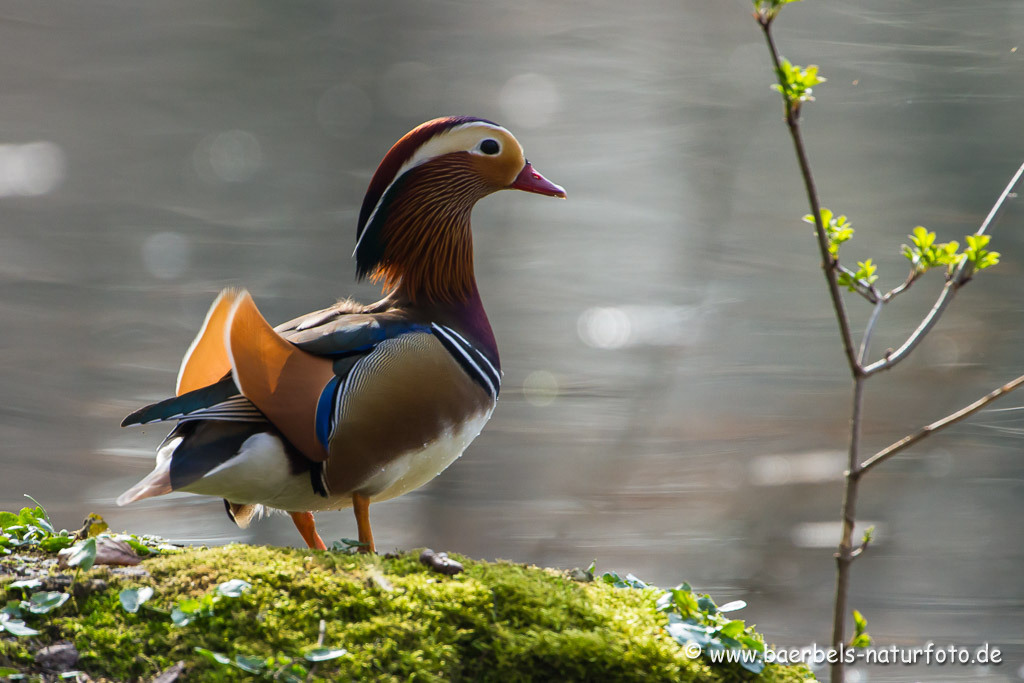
(960, 276)
(918, 335)
(999, 202)
(909, 440)
(828, 263)
(868, 330)
(846, 553)
(896, 291)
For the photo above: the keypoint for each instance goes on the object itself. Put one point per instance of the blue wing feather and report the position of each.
(325, 412)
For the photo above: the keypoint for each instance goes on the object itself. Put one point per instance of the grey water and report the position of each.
(675, 398)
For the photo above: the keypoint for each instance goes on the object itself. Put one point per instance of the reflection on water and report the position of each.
(675, 400)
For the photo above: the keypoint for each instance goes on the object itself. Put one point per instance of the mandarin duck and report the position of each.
(354, 403)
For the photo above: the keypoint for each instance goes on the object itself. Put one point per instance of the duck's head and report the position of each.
(414, 228)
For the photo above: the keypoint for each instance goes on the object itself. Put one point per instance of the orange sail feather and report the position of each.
(283, 381)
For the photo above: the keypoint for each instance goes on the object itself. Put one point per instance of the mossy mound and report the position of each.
(393, 617)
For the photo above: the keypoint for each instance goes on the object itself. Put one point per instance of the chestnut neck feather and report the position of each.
(423, 245)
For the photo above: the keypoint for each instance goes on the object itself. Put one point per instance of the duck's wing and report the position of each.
(290, 376)
(294, 378)
(339, 329)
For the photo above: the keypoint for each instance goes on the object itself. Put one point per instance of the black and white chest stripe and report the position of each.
(474, 362)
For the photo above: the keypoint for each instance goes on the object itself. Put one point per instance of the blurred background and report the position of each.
(675, 401)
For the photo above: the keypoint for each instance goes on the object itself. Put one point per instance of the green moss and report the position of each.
(397, 621)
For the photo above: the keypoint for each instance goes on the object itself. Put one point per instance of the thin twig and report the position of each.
(959, 276)
(829, 263)
(909, 440)
(868, 330)
(945, 297)
(999, 202)
(896, 291)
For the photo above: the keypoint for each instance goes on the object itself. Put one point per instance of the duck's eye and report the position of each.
(490, 146)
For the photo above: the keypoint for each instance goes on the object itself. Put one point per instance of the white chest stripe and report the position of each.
(486, 374)
(494, 371)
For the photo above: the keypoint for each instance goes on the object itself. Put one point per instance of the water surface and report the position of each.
(675, 401)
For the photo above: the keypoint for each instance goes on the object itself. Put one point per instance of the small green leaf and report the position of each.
(295, 673)
(190, 605)
(133, 598)
(46, 601)
(6, 671)
(83, 554)
(35, 517)
(732, 606)
(733, 628)
(860, 635)
(11, 609)
(250, 664)
(975, 242)
(348, 546)
(771, 4)
(859, 622)
(16, 627)
(796, 83)
(922, 238)
(322, 654)
(751, 642)
(861, 640)
(140, 549)
(838, 229)
(707, 605)
(233, 588)
(687, 602)
(25, 583)
(8, 519)
(52, 544)
(180, 618)
(215, 657)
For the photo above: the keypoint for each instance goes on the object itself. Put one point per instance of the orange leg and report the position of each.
(361, 505)
(307, 527)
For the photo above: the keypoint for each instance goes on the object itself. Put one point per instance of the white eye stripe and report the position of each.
(445, 142)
